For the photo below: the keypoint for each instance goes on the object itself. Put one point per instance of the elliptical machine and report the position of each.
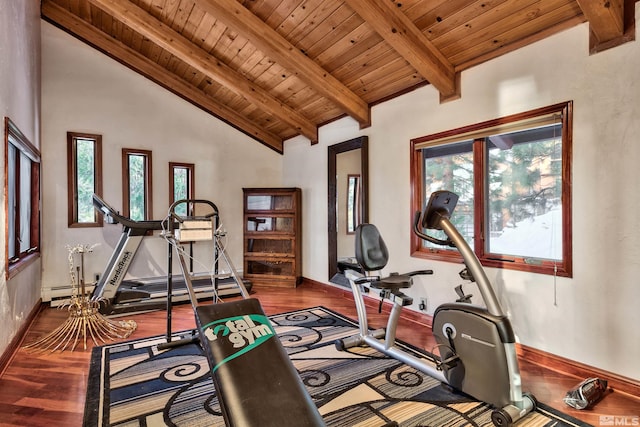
(476, 343)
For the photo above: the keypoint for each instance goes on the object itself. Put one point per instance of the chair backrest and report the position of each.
(371, 252)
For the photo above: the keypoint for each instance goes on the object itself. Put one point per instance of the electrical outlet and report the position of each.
(423, 304)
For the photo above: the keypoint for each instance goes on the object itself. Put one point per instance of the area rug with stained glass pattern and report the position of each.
(135, 384)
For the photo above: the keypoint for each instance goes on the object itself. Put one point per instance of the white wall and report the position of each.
(85, 91)
(20, 101)
(594, 316)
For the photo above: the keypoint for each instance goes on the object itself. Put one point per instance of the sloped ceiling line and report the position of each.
(236, 16)
(274, 69)
(388, 20)
(141, 64)
(179, 46)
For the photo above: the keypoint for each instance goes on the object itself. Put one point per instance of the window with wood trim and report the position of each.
(84, 178)
(136, 184)
(181, 185)
(22, 202)
(513, 179)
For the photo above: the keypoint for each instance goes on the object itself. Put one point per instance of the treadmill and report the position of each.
(119, 296)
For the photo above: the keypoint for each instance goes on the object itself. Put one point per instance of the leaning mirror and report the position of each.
(347, 202)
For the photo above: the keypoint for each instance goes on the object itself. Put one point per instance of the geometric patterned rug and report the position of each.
(133, 384)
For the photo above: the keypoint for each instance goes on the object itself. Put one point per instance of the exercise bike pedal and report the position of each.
(466, 298)
(448, 363)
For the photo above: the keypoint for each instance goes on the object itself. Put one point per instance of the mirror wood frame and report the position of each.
(361, 143)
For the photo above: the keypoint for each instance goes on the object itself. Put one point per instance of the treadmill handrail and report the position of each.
(106, 210)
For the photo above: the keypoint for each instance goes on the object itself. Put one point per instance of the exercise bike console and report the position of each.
(439, 206)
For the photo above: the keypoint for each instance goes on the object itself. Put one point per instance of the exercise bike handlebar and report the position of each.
(416, 229)
(439, 219)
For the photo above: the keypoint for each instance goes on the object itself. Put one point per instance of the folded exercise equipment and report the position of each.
(476, 343)
(255, 381)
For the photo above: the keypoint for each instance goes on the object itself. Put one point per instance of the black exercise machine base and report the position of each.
(146, 295)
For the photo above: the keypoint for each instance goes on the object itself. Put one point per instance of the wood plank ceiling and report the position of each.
(275, 69)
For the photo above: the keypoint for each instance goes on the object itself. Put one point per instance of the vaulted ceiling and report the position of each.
(275, 69)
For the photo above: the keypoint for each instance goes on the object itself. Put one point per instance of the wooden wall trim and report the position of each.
(15, 343)
(551, 361)
(580, 370)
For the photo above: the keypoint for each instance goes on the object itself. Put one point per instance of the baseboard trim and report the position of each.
(551, 361)
(580, 370)
(15, 343)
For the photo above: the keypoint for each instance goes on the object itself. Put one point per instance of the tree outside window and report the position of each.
(524, 216)
(84, 160)
(136, 184)
(513, 179)
(181, 185)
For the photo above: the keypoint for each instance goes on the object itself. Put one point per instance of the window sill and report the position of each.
(14, 269)
(546, 267)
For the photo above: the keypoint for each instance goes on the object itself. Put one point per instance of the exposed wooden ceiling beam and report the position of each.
(134, 60)
(239, 18)
(606, 18)
(162, 35)
(386, 18)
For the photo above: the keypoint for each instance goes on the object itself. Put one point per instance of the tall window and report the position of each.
(22, 204)
(512, 176)
(136, 184)
(84, 178)
(181, 185)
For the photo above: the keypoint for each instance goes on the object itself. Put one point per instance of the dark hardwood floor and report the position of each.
(49, 389)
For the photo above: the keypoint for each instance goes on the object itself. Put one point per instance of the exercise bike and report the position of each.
(476, 343)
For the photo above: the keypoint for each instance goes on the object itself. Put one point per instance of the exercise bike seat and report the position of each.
(372, 255)
(393, 281)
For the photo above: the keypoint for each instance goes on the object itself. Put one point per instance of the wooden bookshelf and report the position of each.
(272, 236)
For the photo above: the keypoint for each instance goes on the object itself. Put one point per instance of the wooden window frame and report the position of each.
(148, 170)
(72, 171)
(13, 136)
(562, 267)
(191, 173)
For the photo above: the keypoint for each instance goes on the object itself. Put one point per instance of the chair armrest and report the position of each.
(419, 272)
(366, 279)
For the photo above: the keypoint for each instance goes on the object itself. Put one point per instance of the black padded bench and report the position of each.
(256, 382)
